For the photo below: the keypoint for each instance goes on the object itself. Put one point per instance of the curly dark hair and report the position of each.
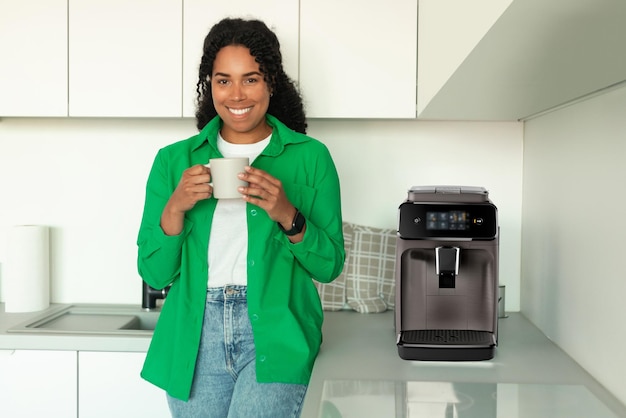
(285, 103)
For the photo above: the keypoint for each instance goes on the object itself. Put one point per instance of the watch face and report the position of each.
(296, 226)
(298, 222)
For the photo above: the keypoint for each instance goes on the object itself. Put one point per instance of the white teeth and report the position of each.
(239, 111)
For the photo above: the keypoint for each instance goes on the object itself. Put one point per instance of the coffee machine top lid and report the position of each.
(448, 212)
(447, 193)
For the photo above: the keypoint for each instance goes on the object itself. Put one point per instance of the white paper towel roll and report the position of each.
(27, 272)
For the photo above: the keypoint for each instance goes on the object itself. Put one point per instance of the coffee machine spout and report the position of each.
(447, 266)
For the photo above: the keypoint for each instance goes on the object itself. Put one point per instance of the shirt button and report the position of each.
(262, 358)
(255, 317)
(251, 263)
(253, 212)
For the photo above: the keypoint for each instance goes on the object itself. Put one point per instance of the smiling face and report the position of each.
(240, 95)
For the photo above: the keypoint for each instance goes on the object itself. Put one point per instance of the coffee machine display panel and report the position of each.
(462, 221)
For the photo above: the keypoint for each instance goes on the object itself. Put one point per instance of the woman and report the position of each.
(241, 326)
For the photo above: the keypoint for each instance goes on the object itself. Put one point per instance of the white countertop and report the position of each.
(361, 348)
(72, 342)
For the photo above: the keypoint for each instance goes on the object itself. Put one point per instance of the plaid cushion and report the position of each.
(333, 294)
(370, 277)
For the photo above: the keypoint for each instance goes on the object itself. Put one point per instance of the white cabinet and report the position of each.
(448, 30)
(38, 384)
(110, 386)
(115, 58)
(538, 55)
(125, 58)
(33, 63)
(358, 59)
(200, 15)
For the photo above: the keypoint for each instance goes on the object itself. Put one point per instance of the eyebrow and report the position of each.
(244, 75)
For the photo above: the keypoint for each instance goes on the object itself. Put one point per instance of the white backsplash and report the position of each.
(85, 178)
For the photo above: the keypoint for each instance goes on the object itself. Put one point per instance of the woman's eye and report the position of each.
(250, 81)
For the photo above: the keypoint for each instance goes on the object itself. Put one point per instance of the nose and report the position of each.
(237, 92)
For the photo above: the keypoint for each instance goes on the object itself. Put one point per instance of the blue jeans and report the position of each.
(224, 383)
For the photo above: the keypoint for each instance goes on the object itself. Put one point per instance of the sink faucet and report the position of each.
(150, 295)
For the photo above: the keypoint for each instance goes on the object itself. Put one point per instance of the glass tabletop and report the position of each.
(363, 399)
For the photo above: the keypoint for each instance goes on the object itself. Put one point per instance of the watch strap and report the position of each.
(297, 225)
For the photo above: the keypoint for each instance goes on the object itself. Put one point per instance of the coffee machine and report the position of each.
(447, 274)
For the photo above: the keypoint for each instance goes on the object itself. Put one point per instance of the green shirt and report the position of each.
(283, 303)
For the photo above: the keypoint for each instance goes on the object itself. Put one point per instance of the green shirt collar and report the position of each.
(281, 136)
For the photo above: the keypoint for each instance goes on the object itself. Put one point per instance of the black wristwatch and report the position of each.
(296, 225)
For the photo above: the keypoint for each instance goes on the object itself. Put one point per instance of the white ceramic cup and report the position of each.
(224, 172)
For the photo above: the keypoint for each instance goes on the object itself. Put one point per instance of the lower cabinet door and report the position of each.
(38, 383)
(109, 385)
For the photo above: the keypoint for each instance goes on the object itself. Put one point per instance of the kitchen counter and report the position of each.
(360, 350)
(58, 341)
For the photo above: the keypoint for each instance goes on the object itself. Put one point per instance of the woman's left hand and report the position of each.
(267, 192)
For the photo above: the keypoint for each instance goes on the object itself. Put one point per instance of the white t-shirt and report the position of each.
(228, 242)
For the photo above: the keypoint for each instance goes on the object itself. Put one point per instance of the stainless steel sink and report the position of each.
(92, 319)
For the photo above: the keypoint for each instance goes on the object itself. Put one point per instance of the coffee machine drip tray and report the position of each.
(436, 345)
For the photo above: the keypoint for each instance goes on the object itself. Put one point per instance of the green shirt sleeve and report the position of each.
(158, 254)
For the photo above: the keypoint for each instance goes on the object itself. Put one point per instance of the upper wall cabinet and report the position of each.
(358, 59)
(33, 66)
(448, 30)
(200, 15)
(125, 58)
(537, 55)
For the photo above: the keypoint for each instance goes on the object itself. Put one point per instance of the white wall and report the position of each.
(573, 280)
(379, 161)
(85, 178)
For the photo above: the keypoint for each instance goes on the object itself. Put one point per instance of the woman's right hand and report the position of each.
(192, 187)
